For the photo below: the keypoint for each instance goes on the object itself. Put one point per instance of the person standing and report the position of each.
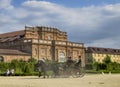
(78, 63)
(7, 73)
(69, 62)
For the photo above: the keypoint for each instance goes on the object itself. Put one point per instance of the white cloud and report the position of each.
(19, 13)
(39, 4)
(91, 25)
(5, 4)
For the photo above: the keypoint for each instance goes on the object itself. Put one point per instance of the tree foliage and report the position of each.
(107, 59)
(20, 66)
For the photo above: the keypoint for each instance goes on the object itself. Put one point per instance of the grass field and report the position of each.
(99, 80)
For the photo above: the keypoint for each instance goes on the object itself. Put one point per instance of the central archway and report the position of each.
(62, 57)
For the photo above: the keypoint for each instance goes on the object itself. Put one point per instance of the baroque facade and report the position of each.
(97, 54)
(39, 42)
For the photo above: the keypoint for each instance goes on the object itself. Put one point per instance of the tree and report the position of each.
(108, 62)
(107, 59)
(32, 60)
(27, 68)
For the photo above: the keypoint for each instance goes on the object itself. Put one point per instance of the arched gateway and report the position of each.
(62, 57)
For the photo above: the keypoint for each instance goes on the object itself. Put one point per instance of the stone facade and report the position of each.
(42, 42)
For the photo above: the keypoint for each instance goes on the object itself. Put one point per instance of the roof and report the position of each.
(11, 36)
(102, 50)
(12, 52)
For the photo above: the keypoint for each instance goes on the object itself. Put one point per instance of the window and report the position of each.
(62, 57)
(98, 54)
(106, 50)
(1, 59)
(98, 49)
(49, 37)
(89, 60)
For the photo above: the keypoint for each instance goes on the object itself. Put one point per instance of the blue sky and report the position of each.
(74, 3)
(93, 22)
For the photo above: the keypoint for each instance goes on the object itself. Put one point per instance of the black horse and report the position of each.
(42, 67)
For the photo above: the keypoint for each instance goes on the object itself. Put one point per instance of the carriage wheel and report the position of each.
(78, 73)
(75, 73)
(82, 70)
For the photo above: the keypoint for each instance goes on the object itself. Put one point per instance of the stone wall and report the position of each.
(9, 58)
(40, 51)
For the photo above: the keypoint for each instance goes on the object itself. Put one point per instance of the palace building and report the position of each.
(97, 54)
(39, 42)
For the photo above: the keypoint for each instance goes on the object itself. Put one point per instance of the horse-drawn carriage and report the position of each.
(56, 69)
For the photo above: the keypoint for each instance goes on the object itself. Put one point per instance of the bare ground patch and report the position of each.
(86, 81)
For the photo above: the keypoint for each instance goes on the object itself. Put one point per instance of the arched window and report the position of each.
(1, 59)
(62, 57)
